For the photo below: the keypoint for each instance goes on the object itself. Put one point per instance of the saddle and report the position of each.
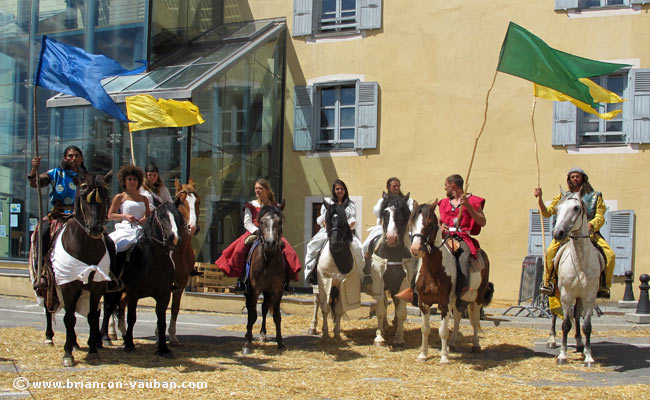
(476, 265)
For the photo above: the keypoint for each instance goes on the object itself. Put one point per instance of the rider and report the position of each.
(153, 188)
(578, 181)
(472, 219)
(64, 188)
(233, 259)
(393, 186)
(340, 193)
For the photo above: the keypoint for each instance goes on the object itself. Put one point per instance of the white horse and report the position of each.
(579, 265)
(336, 274)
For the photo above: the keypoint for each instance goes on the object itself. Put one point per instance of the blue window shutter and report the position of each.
(640, 1)
(535, 247)
(303, 17)
(369, 14)
(621, 239)
(565, 115)
(367, 101)
(639, 120)
(566, 4)
(303, 111)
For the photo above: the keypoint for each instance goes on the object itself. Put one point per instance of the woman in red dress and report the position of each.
(233, 258)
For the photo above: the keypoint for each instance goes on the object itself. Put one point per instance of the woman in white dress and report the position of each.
(340, 193)
(129, 207)
(153, 187)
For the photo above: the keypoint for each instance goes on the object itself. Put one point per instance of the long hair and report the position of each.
(64, 164)
(334, 197)
(388, 182)
(156, 186)
(266, 185)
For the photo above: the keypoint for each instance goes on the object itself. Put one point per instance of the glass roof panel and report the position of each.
(239, 30)
(154, 78)
(120, 82)
(220, 54)
(187, 76)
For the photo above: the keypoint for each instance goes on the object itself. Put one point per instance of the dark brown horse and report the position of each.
(80, 262)
(436, 282)
(267, 275)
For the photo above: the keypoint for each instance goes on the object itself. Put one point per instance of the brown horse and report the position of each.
(267, 275)
(436, 282)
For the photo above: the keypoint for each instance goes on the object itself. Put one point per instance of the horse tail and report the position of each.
(489, 293)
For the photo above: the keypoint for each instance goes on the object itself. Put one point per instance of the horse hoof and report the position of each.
(551, 345)
(380, 343)
(282, 347)
(166, 354)
(337, 337)
(107, 342)
(444, 360)
(175, 343)
(422, 358)
(312, 332)
(246, 351)
(589, 363)
(452, 348)
(112, 336)
(562, 361)
(49, 342)
(476, 349)
(580, 349)
(76, 347)
(129, 349)
(68, 361)
(92, 357)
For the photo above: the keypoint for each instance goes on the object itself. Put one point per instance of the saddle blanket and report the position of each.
(476, 266)
(68, 269)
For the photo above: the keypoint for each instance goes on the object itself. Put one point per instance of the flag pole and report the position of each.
(39, 250)
(478, 136)
(541, 217)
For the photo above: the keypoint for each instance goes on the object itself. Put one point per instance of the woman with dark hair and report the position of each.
(233, 258)
(129, 207)
(340, 196)
(153, 187)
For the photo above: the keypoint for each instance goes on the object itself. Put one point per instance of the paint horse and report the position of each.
(335, 264)
(578, 264)
(390, 268)
(80, 262)
(436, 282)
(267, 275)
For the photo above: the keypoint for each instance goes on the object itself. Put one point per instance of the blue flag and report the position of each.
(71, 70)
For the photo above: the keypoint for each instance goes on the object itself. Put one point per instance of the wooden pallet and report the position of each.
(212, 280)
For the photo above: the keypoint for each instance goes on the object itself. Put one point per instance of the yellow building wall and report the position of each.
(434, 62)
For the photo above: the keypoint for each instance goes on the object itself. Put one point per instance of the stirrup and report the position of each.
(547, 289)
(603, 293)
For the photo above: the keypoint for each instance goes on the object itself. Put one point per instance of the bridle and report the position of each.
(94, 194)
(582, 211)
(165, 235)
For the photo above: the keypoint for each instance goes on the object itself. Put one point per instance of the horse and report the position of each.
(390, 268)
(436, 282)
(578, 265)
(335, 263)
(267, 275)
(79, 263)
(147, 270)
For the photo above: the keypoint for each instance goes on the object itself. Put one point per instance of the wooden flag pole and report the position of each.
(39, 250)
(541, 217)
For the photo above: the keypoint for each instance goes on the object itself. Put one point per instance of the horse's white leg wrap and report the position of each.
(325, 308)
(400, 314)
(443, 331)
(426, 329)
(112, 333)
(172, 330)
(380, 312)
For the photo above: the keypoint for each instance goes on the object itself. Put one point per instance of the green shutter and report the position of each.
(303, 17)
(564, 123)
(566, 4)
(639, 118)
(366, 118)
(368, 14)
(303, 111)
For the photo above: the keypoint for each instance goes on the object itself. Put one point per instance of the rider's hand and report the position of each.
(444, 228)
(130, 218)
(538, 192)
(141, 220)
(590, 227)
(36, 162)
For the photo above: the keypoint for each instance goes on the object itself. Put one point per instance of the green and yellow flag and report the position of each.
(558, 75)
(149, 112)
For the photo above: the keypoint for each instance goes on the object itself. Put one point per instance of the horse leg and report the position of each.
(474, 311)
(566, 327)
(454, 333)
(426, 329)
(589, 361)
(443, 331)
(121, 313)
(71, 294)
(49, 332)
(265, 311)
(251, 307)
(337, 312)
(176, 306)
(162, 302)
(277, 318)
(400, 317)
(325, 309)
(577, 311)
(108, 322)
(314, 318)
(551, 343)
(129, 346)
(380, 312)
(94, 338)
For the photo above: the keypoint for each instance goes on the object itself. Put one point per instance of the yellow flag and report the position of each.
(600, 95)
(148, 113)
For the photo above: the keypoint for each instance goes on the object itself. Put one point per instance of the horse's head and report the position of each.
(423, 226)
(165, 226)
(270, 221)
(188, 201)
(394, 218)
(91, 204)
(339, 232)
(571, 216)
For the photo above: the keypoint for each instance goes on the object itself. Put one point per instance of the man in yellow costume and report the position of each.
(578, 181)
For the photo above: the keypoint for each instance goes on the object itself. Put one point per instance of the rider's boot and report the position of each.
(312, 278)
(367, 280)
(603, 290)
(548, 288)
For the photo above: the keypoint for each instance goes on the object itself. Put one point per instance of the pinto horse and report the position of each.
(335, 264)
(390, 269)
(267, 275)
(147, 270)
(80, 262)
(436, 281)
(578, 265)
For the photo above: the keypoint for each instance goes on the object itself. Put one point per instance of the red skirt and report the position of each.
(233, 259)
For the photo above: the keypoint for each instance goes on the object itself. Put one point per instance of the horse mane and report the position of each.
(149, 228)
(340, 210)
(269, 209)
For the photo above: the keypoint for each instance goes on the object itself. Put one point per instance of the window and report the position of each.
(595, 4)
(323, 17)
(602, 3)
(335, 116)
(632, 126)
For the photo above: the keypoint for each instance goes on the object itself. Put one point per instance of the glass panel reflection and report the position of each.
(187, 76)
(153, 78)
